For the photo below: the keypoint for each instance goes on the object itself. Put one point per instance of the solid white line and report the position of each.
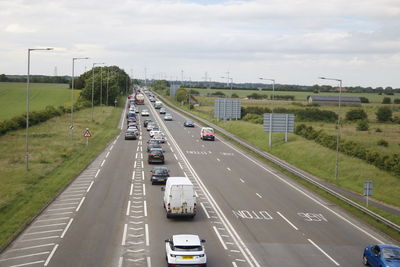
(130, 193)
(66, 228)
(67, 208)
(25, 264)
(145, 208)
(184, 174)
(121, 259)
(234, 264)
(305, 194)
(108, 153)
(80, 204)
(289, 222)
(195, 193)
(148, 262)
(241, 180)
(258, 195)
(123, 119)
(44, 232)
(220, 238)
(51, 255)
(323, 252)
(61, 213)
(175, 157)
(144, 189)
(56, 219)
(48, 225)
(124, 235)
(128, 208)
(97, 173)
(90, 186)
(180, 165)
(205, 211)
(25, 248)
(24, 256)
(143, 175)
(146, 230)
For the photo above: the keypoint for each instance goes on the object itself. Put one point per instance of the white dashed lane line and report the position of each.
(229, 169)
(242, 180)
(258, 195)
(289, 222)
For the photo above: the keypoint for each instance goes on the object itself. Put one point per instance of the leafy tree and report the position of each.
(194, 92)
(386, 100)
(384, 114)
(3, 78)
(181, 95)
(389, 91)
(396, 101)
(234, 95)
(364, 99)
(356, 114)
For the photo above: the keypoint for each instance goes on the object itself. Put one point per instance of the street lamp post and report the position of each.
(272, 109)
(108, 81)
(72, 94)
(27, 106)
(229, 79)
(338, 125)
(94, 64)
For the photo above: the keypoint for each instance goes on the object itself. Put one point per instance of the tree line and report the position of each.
(35, 78)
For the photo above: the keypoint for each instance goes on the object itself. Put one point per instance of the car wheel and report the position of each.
(168, 215)
(365, 260)
(152, 183)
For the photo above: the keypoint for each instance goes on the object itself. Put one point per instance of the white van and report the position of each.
(179, 197)
(158, 104)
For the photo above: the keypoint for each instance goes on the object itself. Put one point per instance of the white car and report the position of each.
(145, 112)
(155, 131)
(159, 137)
(168, 117)
(185, 250)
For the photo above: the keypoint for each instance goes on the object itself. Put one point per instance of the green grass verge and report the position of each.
(55, 160)
(320, 162)
(13, 97)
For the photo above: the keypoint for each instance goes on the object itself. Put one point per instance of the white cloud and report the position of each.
(16, 28)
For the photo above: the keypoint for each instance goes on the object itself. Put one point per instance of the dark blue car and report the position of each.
(382, 256)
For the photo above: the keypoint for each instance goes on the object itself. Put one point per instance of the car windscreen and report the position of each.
(160, 172)
(156, 152)
(208, 130)
(187, 248)
(391, 253)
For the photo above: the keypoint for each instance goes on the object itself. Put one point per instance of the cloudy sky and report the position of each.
(292, 41)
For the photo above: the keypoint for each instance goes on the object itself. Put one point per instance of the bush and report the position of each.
(396, 101)
(362, 125)
(254, 118)
(386, 100)
(384, 114)
(378, 130)
(234, 95)
(364, 99)
(283, 97)
(314, 114)
(356, 114)
(218, 94)
(257, 96)
(383, 143)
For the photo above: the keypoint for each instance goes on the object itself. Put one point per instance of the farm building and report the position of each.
(334, 100)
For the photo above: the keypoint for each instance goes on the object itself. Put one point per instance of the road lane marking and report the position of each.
(234, 264)
(171, 149)
(124, 235)
(258, 195)
(47, 225)
(134, 165)
(128, 208)
(108, 153)
(51, 255)
(136, 155)
(229, 169)
(289, 222)
(66, 228)
(143, 175)
(40, 238)
(103, 162)
(175, 157)
(44, 232)
(137, 149)
(56, 219)
(241, 180)
(97, 173)
(130, 192)
(146, 230)
(145, 208)
(25, 248)
(304, 193)
(323, 252)
(90, 186)
(180, 165)
(220, 238)
(144, 189)
(111, 147)
(205, 211)
(24, 256)
(80, 204)
(148, 262)
(121, 259)
(218, 159)
(67, 208)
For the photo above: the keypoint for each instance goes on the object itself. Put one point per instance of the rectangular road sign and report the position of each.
(368, 186)
(280, 122)
(227, 108)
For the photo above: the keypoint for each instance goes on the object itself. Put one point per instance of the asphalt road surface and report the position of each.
(250, 214)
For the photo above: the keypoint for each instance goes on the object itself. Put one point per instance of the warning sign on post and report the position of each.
(87, 133)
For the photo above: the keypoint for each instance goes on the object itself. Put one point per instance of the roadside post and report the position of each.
(278, 122)
(368, 186)
(87, 134)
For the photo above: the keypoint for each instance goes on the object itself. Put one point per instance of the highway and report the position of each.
(250, 214)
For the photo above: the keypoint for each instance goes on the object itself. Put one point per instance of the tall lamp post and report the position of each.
(272, 109)
(94, 64)
(27, 106)
(72, 94)
(338, 125)
(229, 79)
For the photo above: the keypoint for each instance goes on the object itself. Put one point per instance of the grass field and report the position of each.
(13, 97)
(299, 96)
(55, 159)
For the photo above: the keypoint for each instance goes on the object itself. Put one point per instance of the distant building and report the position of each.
(334, 100)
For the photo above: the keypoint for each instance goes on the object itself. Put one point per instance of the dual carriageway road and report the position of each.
(250, 214)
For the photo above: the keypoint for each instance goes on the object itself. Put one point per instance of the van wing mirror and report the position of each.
(203, 241)
(162, 188)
